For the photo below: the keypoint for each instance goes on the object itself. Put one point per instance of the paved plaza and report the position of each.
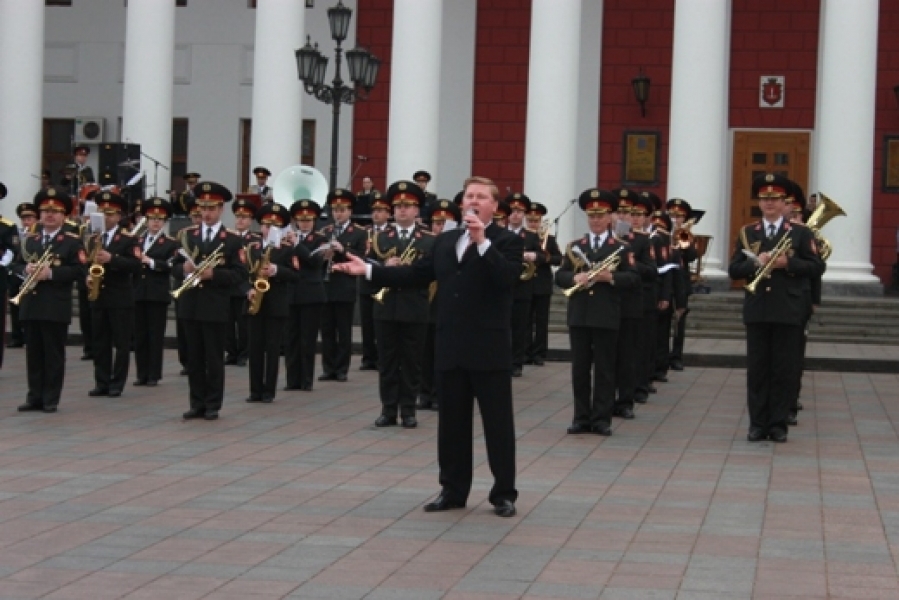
(304, 498)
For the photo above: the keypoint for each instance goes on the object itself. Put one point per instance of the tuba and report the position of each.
(826, 210)
(299, 182)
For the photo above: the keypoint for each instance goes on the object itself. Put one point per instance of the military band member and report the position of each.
(549, 256)
(115, 256)
(666, 266)
(78, 173)
(775, 312)
(236, 341)
(423, 178)
(307, 298)
(276, 263)
(47, 310)
(9, 237)
(193, 212)
(381, 211)
(401, 314)
(362, 211)
(445, 216)
(27, 213)
(205, 306)
(594, 312)
(341, 288)
(501, 214)
(183, 201)
(519, 204)
(641, 215)
(152, 292)
(261, 186)
(683, 252)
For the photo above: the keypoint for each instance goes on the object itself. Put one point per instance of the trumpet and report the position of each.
(261, 284)
(682, 236)
(609, 263)
(193, 280)
(406, 258)
(764, 272)
(31, 281)
(96, 271)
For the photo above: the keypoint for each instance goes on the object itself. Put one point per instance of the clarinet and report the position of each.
(330, 263)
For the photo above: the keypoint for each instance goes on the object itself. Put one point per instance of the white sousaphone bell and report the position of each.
(300, 182)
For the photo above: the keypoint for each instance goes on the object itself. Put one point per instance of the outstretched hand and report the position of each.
(353, 265)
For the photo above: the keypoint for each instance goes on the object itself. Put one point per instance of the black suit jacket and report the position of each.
(117, 291)
(51, 300)
(342, 287)
(474, 298)
(308, 287)
(276, 302)
(524, 289)
(546, 260)
(405, 304)
(635, 301)
(154, 285)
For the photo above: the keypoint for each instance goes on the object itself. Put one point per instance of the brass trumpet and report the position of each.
(406, 258)
(193, 280)
(682, 236)
(609, 263)
(261, 283)
(31, 281)
(764, 272)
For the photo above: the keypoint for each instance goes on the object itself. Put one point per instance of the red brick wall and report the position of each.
(501, 91)
(773, 37)
(885, 216)
(637, 34)
(374, 30)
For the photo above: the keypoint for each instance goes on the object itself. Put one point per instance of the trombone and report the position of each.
(406, 258)
(31, 281)
(193, 280)
(609, 263)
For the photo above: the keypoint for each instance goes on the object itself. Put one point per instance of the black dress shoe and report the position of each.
(601, 430)
(385, 421)
(792, 419)
(538, 362)
(577, 428)
(677, 365)
(183, 371)
(442, 503)
(660, 377)
(409, 422)
(516, 371)
(211, 415)
(30, 408)
(194, 413)
(139, 382)
(368, 367)
(306, 387)
(87, 356)
(268, 399)
(114, 393)
(799, 406)
(340, 377)
(98, 392)
(756, 434)
(52, 409)
(778, 435)
(653, 389)
(253, 399)
(326, 377)
(641, 398)
(505, 508)
(152, 382)
(624, 413)
(230, 361)
(291, 388)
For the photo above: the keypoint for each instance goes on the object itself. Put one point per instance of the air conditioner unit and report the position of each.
(89, 130)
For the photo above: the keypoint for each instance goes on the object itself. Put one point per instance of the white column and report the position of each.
(277, 92)
(148, 88)
(550, 157)
(414, 130)
(21, 103)
(697, 154)
(844, 141)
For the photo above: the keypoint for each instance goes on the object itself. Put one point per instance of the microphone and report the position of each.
(463, 225)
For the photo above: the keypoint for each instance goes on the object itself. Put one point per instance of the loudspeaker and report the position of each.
(118, 163)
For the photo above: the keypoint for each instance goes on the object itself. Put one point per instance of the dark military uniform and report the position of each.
(366, 289)
(237, 340)
(774, 314)
(152, 296)
(112, 312)
(9, 236)
(661, 238)
(17, 331)
(524, 288)
(47, 310)
(646, 336)
(549, 256)
(341, 290)
(205, 307)
(682, 253)
(594, 316)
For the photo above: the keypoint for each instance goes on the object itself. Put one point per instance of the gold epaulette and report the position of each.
(6, 222)
(73, 235)
(126, 232)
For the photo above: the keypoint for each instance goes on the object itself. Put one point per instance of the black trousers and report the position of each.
(399, 372)
(663, 342)
(264, 353)
(677, 341)
(236, 342)
(85, 317)
(337, 337)
(45, 361)
(772, 350)
(206, 364)
(800, 365)
(538, 329)
(150, 320)
(521, 330)
(428, 389)
(369, 339)
(593, 374)
(3, 304)
(457, 390)
(299, 354)
(112, 328)
(626, 362)
(181, 335)
(646, 343)
(16, 326)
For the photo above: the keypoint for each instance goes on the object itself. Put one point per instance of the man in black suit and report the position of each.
(205, 306)
(774, 312)
(476, 269)
(27, 213)
(47, 311)
(152, 292)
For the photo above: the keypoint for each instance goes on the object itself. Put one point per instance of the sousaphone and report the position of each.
(299, 182)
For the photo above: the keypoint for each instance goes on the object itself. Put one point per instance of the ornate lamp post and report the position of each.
(363, 67)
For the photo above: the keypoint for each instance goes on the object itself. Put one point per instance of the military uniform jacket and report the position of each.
(365, 286)
(635, 301)
(154, 284)
(525, 289)
(598, 306)
(308, 287)
(427, 208)
(665, 265)
(546, 260)
(210, 300)
(782, 298)
(276, 303)
(9, 236)
(683, 287)
(117, 290)
(407, 304)
(248, 239)
(342, 287)
(51, 300)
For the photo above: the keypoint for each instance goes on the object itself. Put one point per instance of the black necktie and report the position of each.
(46, 241)
(596, 242)
(106, 239)
(771, 230)
(208, 234)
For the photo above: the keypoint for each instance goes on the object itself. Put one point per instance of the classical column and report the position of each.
(21, 103)
(413, 135)
(697, 154)
(550, 157)
(277, 91)
(148, 88)
(844, 140)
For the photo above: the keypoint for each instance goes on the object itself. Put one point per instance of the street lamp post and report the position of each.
(363, 67)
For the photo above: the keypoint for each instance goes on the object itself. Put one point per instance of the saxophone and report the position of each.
(261, 284)
(95, 271)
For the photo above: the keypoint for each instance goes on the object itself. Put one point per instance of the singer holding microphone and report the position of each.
(476, 268)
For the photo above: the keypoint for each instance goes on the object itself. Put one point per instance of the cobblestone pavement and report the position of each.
(304, 498)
